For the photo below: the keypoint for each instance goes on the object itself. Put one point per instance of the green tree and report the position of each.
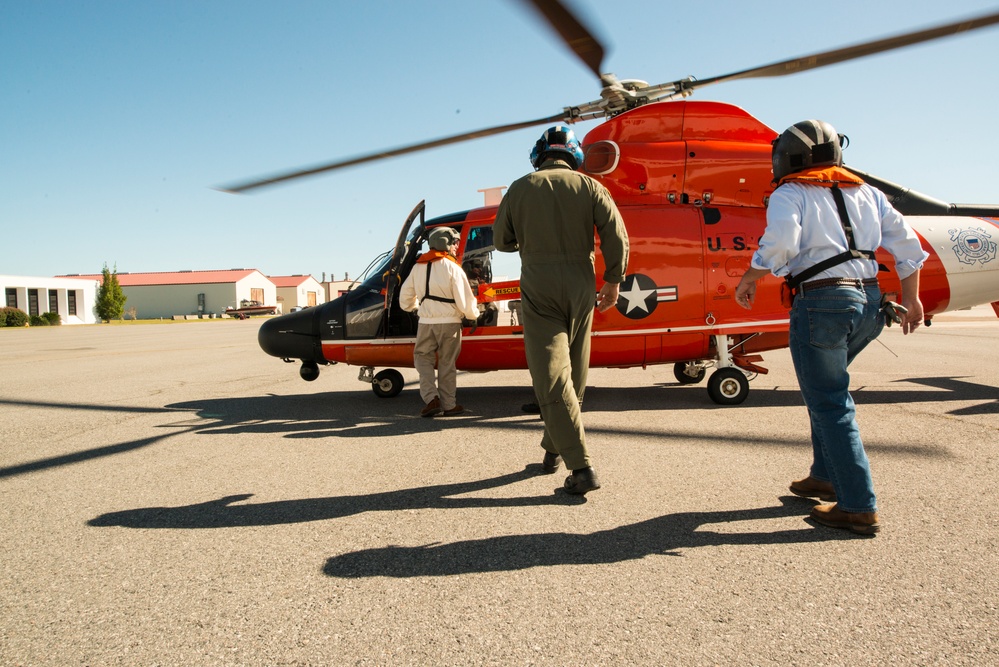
(110, 298)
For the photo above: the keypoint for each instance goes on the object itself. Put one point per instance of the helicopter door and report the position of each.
(401, 263)
(494, 277)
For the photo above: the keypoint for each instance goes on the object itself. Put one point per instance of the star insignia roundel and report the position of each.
(637, 297)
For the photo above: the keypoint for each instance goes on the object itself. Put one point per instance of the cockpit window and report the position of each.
(485, 266)
(478, 257)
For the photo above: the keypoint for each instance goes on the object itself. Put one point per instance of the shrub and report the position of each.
(38, 321)
(110, 299)
(52, 318)
(13, 317)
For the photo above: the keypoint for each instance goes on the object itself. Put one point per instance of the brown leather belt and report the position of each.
(838, 282)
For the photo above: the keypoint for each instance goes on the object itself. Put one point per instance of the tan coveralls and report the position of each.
(549, 216)
(438, 336)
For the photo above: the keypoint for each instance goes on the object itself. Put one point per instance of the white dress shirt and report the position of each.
(804, 228)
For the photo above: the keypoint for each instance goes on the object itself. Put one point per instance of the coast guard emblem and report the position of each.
(973, 245)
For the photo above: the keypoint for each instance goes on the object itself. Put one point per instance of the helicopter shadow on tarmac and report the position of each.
(665, 535)
(932, 390)
(355, 414)
(348, 414)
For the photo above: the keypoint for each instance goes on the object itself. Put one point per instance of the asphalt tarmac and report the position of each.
(170, 495)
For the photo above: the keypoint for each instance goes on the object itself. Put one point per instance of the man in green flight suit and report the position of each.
(549, 216)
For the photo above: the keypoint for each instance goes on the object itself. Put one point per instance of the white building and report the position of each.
(298, 292)
(165, 294)
(73, 299)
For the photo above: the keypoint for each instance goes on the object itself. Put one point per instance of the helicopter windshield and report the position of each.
(374, 267)
(366, 301)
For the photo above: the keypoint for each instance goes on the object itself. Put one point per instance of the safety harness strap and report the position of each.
(845, 256)
(426, 292)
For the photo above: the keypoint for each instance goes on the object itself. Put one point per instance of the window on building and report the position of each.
(53, 301)
(12, 297)
(71, 299)
(32, 302)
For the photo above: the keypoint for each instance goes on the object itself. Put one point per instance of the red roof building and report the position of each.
(160, 295)
(298, 292)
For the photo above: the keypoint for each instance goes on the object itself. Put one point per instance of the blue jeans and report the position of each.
(829, 327)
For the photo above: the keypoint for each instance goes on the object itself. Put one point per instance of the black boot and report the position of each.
(581, 481)
(551, 463)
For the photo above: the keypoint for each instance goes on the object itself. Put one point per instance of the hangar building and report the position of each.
(165, 294)
(298, 292)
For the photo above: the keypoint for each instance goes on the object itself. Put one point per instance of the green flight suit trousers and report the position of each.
(557, 303)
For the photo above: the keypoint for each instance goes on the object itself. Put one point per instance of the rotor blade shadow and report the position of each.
(87, 454)
(124, 409)
(665, 535)
(83, 456)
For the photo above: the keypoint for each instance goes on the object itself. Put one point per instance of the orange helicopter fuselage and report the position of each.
(691, 180)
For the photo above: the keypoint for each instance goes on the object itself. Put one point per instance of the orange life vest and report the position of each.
(827, 177)
(433, 256)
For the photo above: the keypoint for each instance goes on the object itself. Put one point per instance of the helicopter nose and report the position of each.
(293, 336)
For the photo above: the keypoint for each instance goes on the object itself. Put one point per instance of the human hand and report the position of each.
(914, 317)
(745, 293)
(607, 297)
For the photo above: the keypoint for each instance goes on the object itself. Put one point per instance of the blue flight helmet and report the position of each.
(557, 142)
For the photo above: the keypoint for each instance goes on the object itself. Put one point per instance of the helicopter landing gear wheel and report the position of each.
(688, 373)
(387, 383)
(728, 386)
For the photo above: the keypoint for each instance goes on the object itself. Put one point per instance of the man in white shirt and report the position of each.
(823, 226)
(439, 288)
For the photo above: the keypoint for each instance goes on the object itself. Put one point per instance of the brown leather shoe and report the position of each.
(813, 488)
(864, 523)
(456, 410)
(432, 409)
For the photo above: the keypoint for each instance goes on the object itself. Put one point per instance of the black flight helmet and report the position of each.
(810, 143)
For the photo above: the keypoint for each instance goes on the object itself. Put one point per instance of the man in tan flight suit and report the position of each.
(439, 289)
(549, 216)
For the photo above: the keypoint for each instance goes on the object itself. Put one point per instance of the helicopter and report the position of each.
(691, 180)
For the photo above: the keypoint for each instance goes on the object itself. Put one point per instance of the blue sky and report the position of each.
(117, 118)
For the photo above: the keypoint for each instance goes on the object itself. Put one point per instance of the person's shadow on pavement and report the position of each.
(664, 535)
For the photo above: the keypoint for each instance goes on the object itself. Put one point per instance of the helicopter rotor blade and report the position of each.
(816, 60)
(576, 36)
(618, 96)
(393, 152)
